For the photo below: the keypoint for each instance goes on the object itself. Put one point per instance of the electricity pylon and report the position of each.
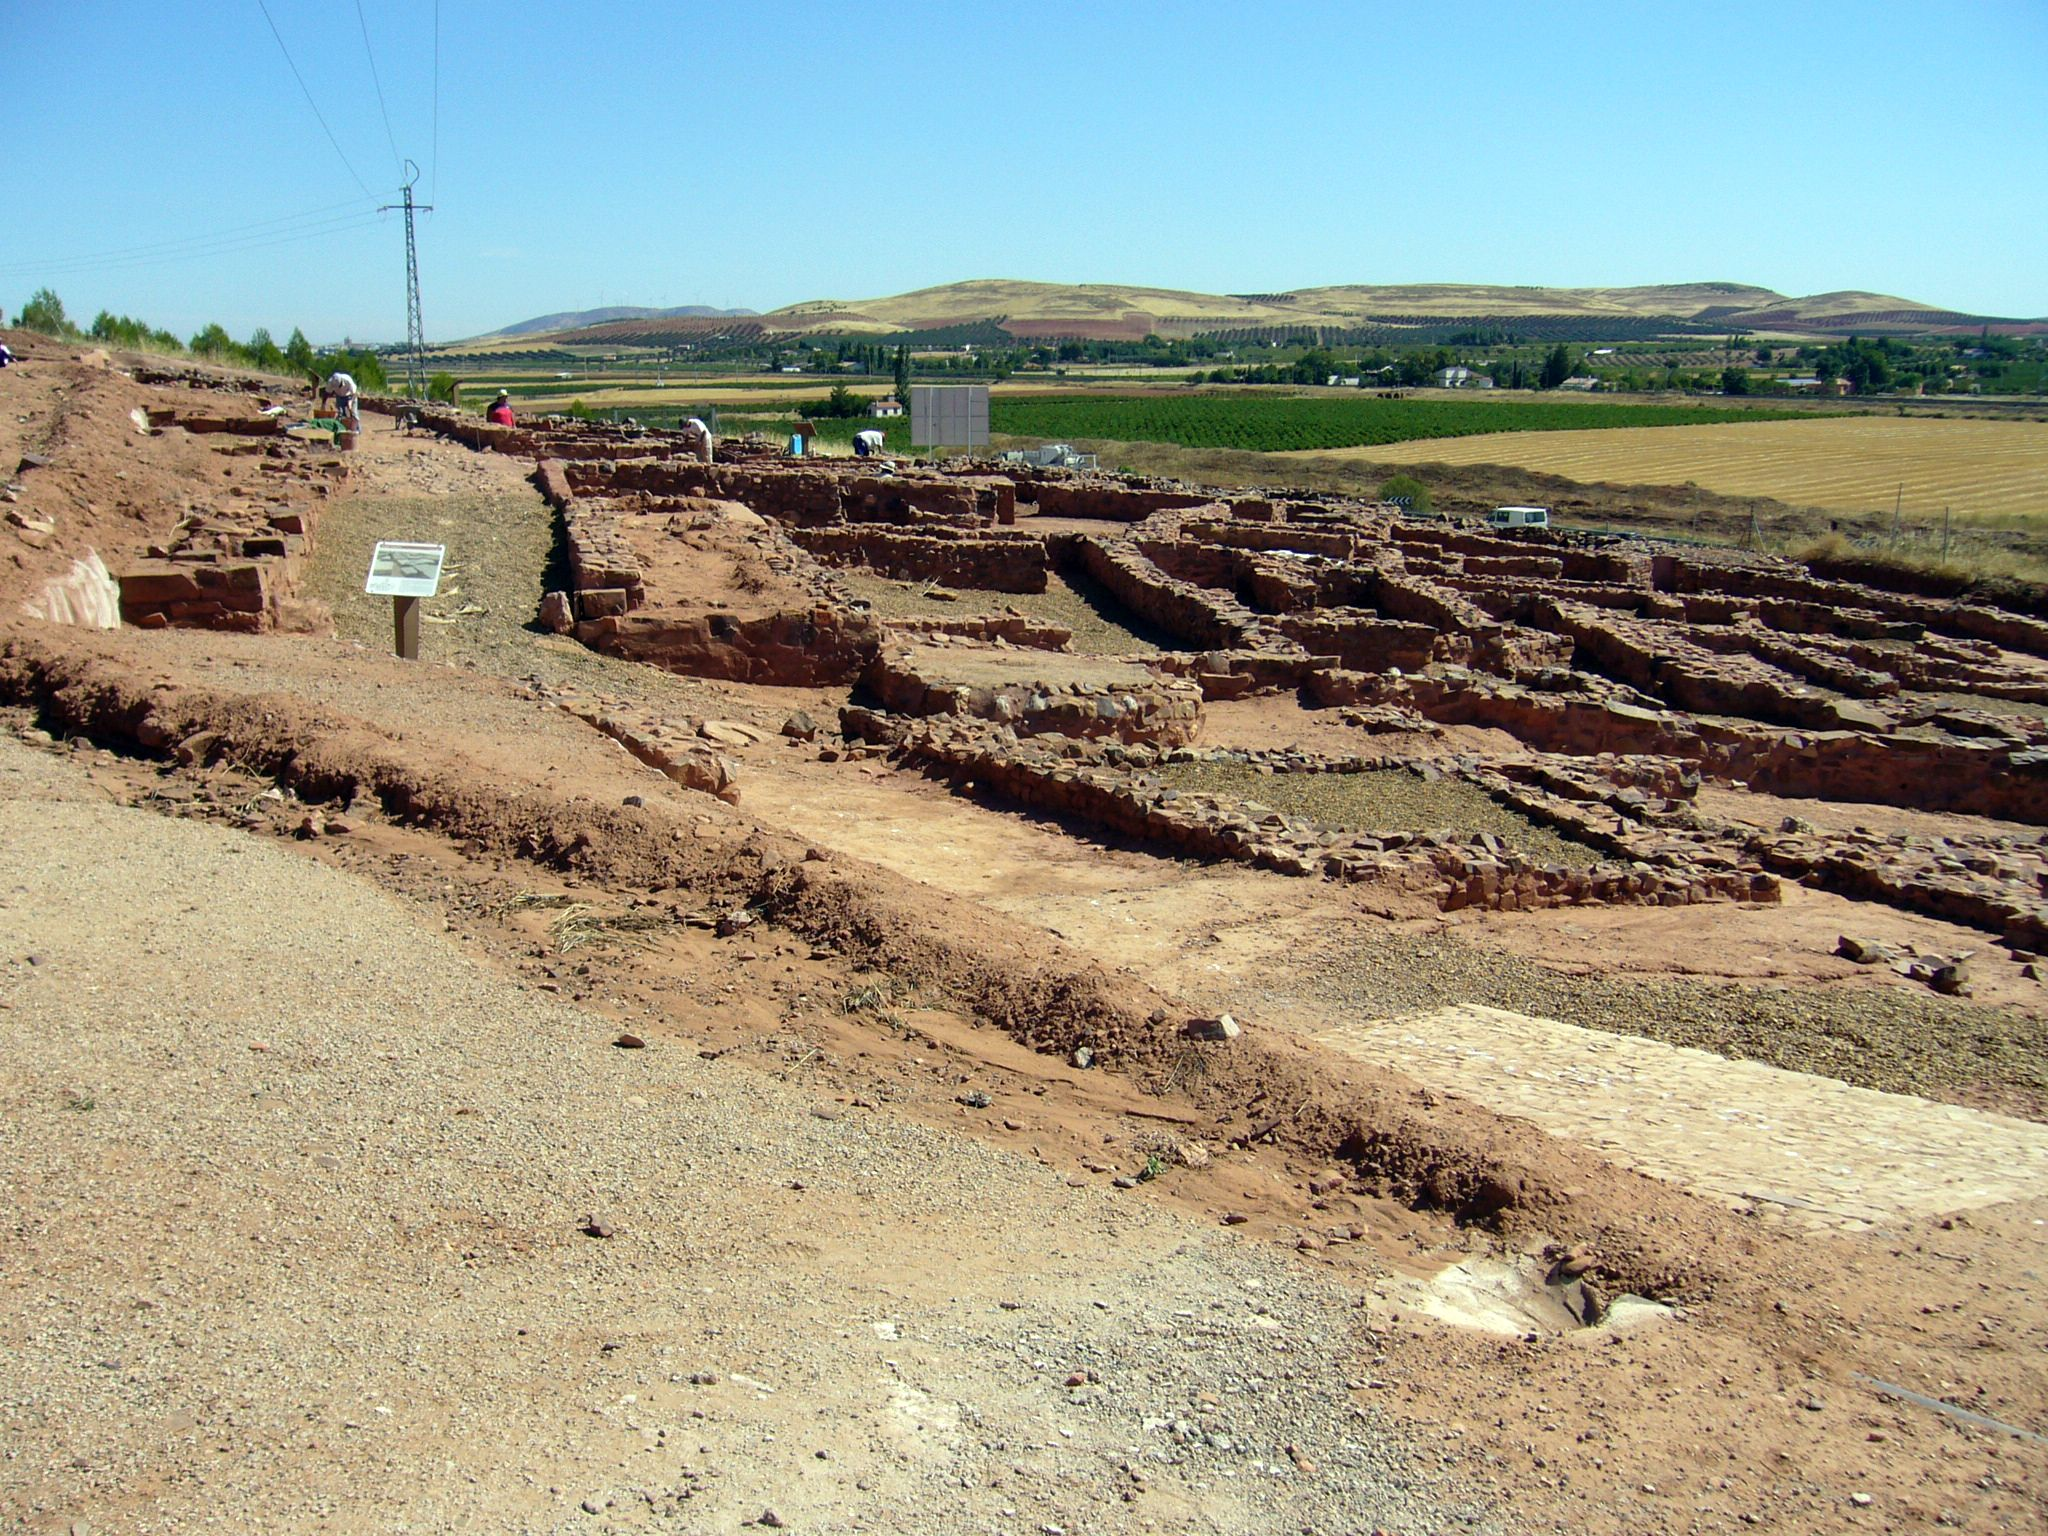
(415, 332)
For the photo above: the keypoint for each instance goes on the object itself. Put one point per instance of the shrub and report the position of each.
(1409, 489)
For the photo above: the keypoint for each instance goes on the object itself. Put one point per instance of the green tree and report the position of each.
(263, 352)
(843, 402)
(44, 312)
(903, 375)
(122, 331)
(213, 342)
(1557, 367)
(298, 352)
(1867, 370)
(1313, 366)
(1409, 489)
(1734, 381)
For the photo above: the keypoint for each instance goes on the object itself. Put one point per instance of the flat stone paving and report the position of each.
(1811, 1148)
(989, 667)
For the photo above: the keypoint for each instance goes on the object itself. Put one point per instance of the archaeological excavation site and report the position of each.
(848, 994)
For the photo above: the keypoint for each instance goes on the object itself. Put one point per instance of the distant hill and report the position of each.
(1107, 311)
(1026, 311)
(577, 319)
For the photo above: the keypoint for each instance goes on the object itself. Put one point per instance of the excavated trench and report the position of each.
(1431, 1155)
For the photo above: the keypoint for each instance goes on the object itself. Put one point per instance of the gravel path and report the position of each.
(300, 1197)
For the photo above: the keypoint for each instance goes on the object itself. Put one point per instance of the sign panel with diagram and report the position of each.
(405, 570)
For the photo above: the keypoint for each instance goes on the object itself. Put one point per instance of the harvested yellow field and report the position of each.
(1985, 470)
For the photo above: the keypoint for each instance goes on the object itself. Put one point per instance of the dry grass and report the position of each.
(1992, 473)
(1965, 560)
(582, 925)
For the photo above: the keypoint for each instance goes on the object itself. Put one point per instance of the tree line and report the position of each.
(44, 313)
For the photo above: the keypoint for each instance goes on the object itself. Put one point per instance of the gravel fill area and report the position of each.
(1382, 800)
(316, 1221)
(1875, 1038)
(1101, 625)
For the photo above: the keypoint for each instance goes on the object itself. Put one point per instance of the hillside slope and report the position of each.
(578, 319)
(1033, 311)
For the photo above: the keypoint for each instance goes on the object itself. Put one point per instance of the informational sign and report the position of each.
(405, 570)
(949, 415)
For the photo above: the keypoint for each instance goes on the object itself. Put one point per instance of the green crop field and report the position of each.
(1264, 424)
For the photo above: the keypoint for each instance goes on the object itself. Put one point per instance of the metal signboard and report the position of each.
(949, 415)
(405, 570)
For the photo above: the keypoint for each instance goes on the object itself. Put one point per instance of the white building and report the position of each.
(1460, 377)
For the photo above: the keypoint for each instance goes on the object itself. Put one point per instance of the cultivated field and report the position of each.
(1993, 471)
(1269, 423)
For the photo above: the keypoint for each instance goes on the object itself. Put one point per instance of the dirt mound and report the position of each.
(75, 440)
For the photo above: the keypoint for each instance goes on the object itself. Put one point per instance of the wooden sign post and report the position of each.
(405, 627)
(405, 573)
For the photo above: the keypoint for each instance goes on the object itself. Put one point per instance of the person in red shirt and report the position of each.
(500, 413)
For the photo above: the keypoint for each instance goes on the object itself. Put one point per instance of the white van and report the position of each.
(1518, 517)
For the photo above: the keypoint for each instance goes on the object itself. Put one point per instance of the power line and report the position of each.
(157, 247)
(389, 137)
(265, 9)
(365, 221)
(342, 225)
(202, 244)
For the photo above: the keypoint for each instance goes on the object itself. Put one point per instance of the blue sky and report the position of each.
(161, 160)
